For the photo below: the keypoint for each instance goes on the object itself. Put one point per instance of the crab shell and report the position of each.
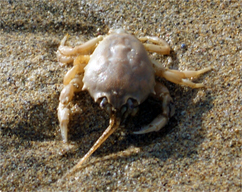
(119, 69)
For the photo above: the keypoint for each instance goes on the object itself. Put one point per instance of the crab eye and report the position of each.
(132, 103)
(105, 105)
(133, 106)
(103, 102)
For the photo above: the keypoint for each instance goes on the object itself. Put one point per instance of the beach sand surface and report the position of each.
(198, 150)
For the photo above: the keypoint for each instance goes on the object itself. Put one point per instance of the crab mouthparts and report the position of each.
(113, 125)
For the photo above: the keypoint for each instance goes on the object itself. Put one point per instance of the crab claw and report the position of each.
(168, 110)
(159, 122)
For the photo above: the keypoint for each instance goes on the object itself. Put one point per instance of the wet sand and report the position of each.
(199, 149)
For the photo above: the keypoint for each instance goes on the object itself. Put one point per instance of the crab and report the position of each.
(119, 75)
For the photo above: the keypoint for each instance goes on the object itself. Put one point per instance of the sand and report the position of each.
(199, 149)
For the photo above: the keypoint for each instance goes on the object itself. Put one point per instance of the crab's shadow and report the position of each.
(183, 99)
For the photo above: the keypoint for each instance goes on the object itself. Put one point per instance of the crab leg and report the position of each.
(113, 125)
(161, 46)
(64, 59)
(168, 110)
(79, 63)
(72, 84)
(66, 54)
(60, 57)
(179, 77)
(80, 49)
(175, 76)
(66, 96)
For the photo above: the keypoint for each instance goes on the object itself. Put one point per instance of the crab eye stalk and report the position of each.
(105, 105)
(103, 102)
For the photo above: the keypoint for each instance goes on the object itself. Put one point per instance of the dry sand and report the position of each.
(200, 148)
